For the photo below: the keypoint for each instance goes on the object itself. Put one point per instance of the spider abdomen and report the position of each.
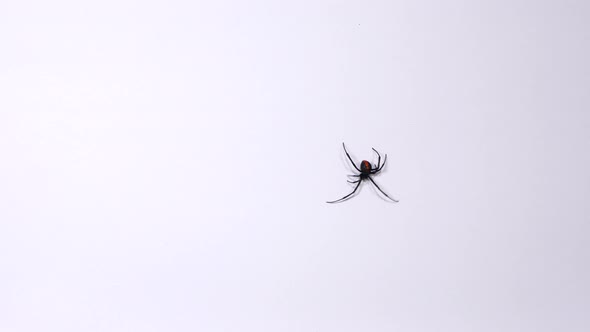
(365, 166)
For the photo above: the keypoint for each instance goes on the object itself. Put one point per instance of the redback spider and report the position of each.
(366, 171)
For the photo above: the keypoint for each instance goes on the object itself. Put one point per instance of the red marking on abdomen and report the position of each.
(366, 165)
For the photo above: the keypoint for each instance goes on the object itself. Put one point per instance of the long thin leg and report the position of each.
(378, 162)
(380, 168)
(359, 180)
(382, 190)
(352, 162)
(345, 197)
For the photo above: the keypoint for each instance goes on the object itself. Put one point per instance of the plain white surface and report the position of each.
(165, 166)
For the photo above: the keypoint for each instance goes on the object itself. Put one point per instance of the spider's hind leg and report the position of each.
(376, 186)
(345, 197)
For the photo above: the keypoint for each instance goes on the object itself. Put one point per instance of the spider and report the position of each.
(365, 171)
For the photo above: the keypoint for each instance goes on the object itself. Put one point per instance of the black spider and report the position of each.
(365, 172)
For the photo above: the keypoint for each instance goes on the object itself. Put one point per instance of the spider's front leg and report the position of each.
(384, 161)
(349, 158)
(379, 160)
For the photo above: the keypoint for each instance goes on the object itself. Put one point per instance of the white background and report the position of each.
(164, 166)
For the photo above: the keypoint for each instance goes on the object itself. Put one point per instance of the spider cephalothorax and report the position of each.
(364, 173)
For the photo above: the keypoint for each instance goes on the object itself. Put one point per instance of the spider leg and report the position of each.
(354, 181)
(352, 162)
(345, 197)
(378, 162)
(380, 168)
(382, 191)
